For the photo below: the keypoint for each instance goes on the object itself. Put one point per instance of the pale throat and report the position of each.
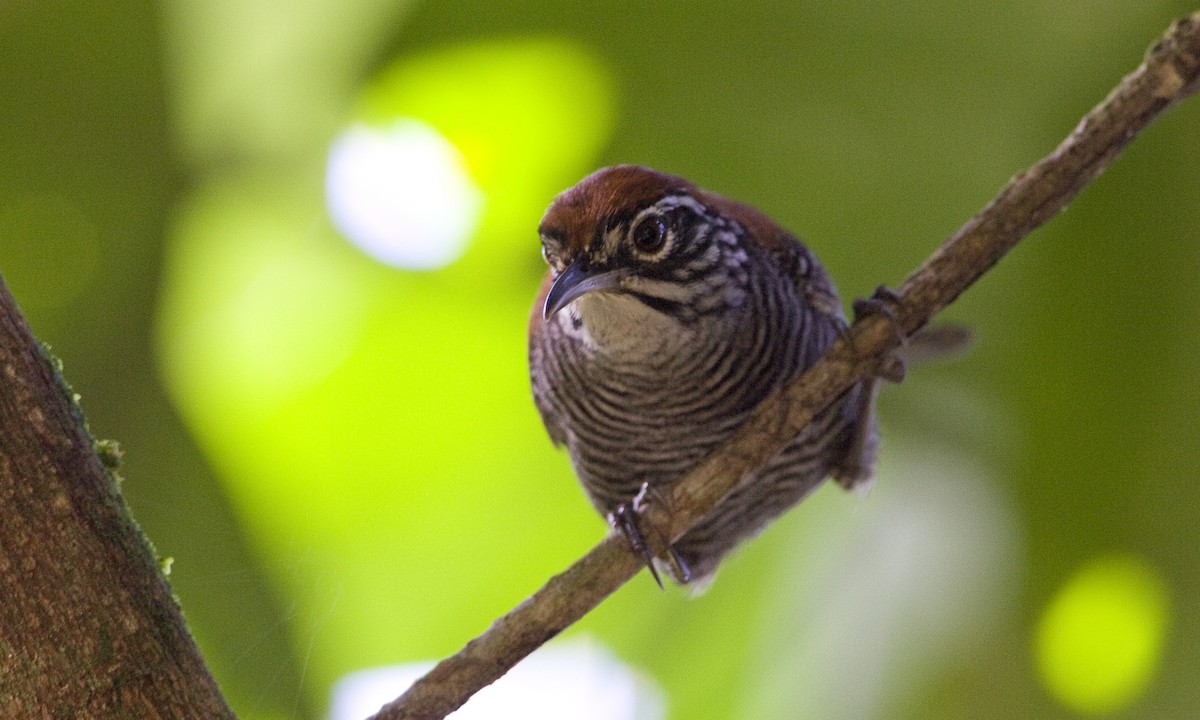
(618, 324)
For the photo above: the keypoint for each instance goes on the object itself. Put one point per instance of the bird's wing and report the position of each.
(796, 261)
(794, 258)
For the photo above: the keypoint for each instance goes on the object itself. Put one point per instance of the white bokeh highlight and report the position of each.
(402, 194)
(580, 680)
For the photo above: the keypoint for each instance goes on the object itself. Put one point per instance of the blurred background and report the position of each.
(287, 251)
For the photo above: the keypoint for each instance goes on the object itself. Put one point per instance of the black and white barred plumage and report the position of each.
(667, 315)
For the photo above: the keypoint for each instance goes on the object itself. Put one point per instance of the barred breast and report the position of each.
(638, 395)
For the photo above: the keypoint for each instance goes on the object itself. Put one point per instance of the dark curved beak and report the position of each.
(575, 281)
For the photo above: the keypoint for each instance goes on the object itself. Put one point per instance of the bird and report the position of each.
(667, 313)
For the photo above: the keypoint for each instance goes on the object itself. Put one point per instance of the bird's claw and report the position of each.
(891, 365)
(625, 519)
(880, 303)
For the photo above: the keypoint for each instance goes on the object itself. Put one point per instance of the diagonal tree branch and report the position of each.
(1170, 72)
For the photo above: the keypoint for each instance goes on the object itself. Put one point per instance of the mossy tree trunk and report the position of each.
(88, 625)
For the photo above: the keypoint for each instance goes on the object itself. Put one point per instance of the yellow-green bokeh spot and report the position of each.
(1100, 639)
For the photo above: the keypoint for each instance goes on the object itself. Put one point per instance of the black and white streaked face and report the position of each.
(667, 249)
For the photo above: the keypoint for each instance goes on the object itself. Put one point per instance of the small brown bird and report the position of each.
(668, 313)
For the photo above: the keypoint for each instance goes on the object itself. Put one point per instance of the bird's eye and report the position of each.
(650, 235)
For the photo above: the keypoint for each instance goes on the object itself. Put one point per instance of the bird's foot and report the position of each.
(625, 519)
(891, 365)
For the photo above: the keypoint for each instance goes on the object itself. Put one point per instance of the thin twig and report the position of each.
(1170, 72)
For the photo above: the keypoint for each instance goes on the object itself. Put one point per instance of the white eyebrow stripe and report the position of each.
(671, 202)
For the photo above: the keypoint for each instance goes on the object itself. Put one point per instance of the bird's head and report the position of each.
(650, 236)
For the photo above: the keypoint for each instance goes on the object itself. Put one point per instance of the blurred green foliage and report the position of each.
(343, 459)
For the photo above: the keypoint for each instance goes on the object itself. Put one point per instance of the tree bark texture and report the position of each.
(88, 625)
